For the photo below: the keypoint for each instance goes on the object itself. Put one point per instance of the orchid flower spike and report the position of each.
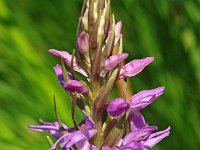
(116, 124)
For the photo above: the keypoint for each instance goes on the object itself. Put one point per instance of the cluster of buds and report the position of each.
(107, 124)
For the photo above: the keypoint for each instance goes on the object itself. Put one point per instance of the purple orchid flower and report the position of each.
(137, 134)
(136, 102)
(129, 70)
(140, 139)
(144, 138)
(140, 130)
(79, 138)
(155, 138)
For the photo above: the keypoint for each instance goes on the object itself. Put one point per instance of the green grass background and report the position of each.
(169, 30)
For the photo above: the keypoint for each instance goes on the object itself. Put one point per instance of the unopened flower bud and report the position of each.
(101, 24)
(118, 30)
(85, 17)
(83, 43)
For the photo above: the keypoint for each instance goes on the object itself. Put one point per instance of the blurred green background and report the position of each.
(169, 30)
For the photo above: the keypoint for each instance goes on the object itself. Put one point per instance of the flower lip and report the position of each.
(75, 86)
(117, 107)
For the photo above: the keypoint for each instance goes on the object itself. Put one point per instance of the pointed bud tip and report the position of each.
(52, 51)
(119, 24)
(149, 59)
(160, 90)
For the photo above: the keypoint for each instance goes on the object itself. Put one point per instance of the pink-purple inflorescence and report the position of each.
(107, 124)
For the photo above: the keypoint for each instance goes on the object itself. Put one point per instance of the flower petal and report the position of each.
(117, 107)
(58, 71)
(68, 58)
(133, 146)
(79, 138)
(114, 60)
(134, 67)
(89, 124)
(136, 120)
(43, 128)
(89, 133)
(108, 148)
(59, 74)
(85, 145)
(137, 135)
(51, 127)
(64, 55)
(144, 98)
(155, 138)
(75, 86)
(65, 137)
